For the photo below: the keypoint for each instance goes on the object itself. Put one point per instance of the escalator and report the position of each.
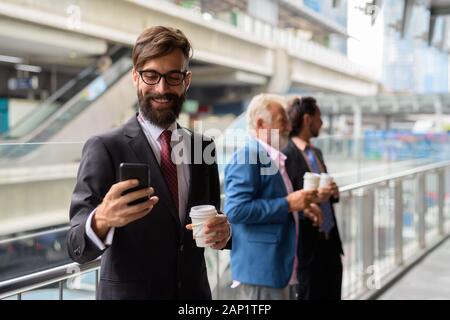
(64, 106)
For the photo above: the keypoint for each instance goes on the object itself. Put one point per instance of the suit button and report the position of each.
(179, 284)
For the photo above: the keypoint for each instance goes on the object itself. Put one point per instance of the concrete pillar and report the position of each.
(281, 78)
(387, 123)
(53, 80)
(357, 131)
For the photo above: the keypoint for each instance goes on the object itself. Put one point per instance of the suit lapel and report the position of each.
(187, 137)
(141, 148)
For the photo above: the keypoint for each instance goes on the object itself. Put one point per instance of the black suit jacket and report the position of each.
(154, 257)
(308, 236)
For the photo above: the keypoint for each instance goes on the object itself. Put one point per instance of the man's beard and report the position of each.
(314, 133)
(284, 139)
(163, 117)
(279, 140)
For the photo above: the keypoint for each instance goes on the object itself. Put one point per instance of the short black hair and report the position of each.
(297, 109)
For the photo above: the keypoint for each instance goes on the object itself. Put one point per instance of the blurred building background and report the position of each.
(378, 68)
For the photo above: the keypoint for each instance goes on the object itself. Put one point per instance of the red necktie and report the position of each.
(168, 168)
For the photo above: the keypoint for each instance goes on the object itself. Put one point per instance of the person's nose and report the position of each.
(162, 86)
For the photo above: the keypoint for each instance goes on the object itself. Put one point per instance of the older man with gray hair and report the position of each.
(262, 207)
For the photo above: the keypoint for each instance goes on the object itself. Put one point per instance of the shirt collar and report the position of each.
(275, 154)
(154, 130)
(302, 144)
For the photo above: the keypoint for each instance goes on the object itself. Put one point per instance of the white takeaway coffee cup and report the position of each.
(311, 181)
(199, 215)
(325, 180)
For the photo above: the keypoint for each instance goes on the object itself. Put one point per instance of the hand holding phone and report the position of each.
(118, 208)
(139, 171)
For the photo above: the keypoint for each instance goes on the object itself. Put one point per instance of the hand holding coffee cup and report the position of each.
(217, 231)
(311, 181)
(300, 199)
(199, 215)
(325, 180)
(209, 228)
(325, 187)
(335, 190)
(315, 214)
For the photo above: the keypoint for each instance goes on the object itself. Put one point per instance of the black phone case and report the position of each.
(138, 171)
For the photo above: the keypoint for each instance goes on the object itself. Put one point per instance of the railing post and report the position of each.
(367, 211)
(61, 289)
(398, 221)
(218, 274)
(97, 280)
(421, 209)
(441, 200)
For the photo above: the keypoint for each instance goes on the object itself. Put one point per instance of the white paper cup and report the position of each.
(199, 215)
(325, 180)
(311, 181)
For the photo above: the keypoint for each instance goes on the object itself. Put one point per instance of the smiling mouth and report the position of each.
(161, 100)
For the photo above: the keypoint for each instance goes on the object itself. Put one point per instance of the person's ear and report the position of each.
(187, 80)
(259, 123)
(135, 75)
(307, 119)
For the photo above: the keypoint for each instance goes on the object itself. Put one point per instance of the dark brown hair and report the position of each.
(159, 41)
(297, 109)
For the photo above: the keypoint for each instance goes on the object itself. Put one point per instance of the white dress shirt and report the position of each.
(153, 133)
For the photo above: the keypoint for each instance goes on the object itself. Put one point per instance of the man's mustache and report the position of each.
(167, 96)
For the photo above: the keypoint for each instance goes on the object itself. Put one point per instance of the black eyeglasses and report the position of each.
(173, 78)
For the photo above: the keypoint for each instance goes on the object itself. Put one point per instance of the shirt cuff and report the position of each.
(94, 238)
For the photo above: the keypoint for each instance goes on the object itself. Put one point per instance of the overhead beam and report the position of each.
(431, 29)
(440, 11)
(407, 14)
(336, 3)
(444, 41)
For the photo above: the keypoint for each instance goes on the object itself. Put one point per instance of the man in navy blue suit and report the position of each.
(319, 249)
(262, 207)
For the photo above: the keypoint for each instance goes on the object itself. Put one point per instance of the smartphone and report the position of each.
(139, 171)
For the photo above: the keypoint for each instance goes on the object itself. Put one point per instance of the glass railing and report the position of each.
(386, 224)
(62, 107)
(352, 160)
(30, 252)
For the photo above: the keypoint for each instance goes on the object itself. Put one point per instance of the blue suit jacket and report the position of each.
(263, 229)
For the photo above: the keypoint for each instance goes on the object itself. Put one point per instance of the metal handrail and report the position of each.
(36, 280)
(39, 279)
(34, 234)
(395, 176)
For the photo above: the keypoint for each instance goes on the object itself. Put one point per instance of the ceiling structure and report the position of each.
(292, 14)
